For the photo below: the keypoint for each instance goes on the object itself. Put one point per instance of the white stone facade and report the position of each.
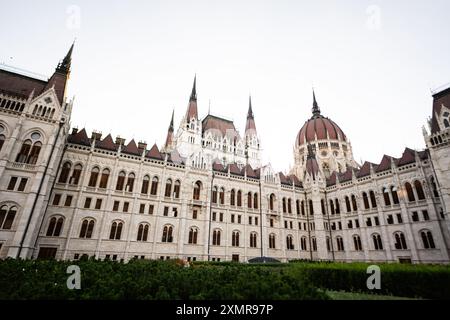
(196, 212)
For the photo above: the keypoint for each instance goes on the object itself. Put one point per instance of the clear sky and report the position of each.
(372, 64)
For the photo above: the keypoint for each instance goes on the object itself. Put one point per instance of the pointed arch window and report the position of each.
(94, 177)
(232, 197)
(24, 151)
(303, 244)
(222, 196)
(347, 204)
(357, 243)
(284, 205)
(167, 235)
(394, 195)
(387, 200)
(373, 200)
(427, 239)
(354, 203)
(239, 198)
(400, 241)
(7, 216)
(197, 190)
(34, 153)
(377, 243)
(168, 190)
(410, 192)
(120, 181)
(76, 174)
(272, 241)
(193, 232)
(290, 243)
(272, 202)
(176, 189)
(332, 206)
(366, 201)
(419, 190)
(65, 172)
(235, 239)
(54, 226)
(145, 184)
(104, 179)
(143, 232)
(130, 182)
(214, 194)
(116, 230)
(154, 188)
(87, 228)
(249, 200)
(337, 206)
(255, 200)
(311, 208)
(253, 237)
(2, 141)
(216, 237)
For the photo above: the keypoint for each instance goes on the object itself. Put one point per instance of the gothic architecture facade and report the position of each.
(204, 194)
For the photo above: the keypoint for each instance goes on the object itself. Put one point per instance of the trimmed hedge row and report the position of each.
(143, 279)
(414, 281)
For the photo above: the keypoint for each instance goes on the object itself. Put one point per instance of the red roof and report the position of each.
(409, 156)
(154, 153)
(217, 166)
(250, 172)
(320, 127)
(20, 85)
(385, 164)
(80, 138)
(107, 143)
(131, 148)
(234, 169)
(347, 175)
(365, 170)
(331, 181)
(226, 127)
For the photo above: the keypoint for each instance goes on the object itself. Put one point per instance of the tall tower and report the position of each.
(252, 143)
(169, 145)
(34, 123)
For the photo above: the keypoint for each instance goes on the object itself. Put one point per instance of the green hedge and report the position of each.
(143, 279)
(414, 281)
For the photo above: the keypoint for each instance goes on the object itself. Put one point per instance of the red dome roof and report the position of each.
(321, 127)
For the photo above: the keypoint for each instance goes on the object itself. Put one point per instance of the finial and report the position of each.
(315, 109)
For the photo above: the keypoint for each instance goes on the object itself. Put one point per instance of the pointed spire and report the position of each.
(250, 125)
(315, 109)
(64, 66)
(169, 138)
(171, 121)
(250, 111)
(194, 90)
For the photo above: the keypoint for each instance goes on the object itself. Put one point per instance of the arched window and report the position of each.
(168, 191)
(377, 243)
(104, 179)
(232, 197)
(34, 153)
(239, 198)
(332, 206)
(322, 206)
(24, 151)
(394, 195)
(7, 215)
(400, 241)
(142, 232)
(65, 172)
(167, 234)
(120, 181)
(235, 239)
(354, 203)
(76, 174)
(297, 206)
(284, 205)
(340, 243)
(338, 207)
(249, 200)
(434, 187)
(409, 192)
(193, 236)
(116, 230)
(357, 242)
(427, 239)
(328, 244)
(130, 182)
(373, 200)
(387, 200)
(197, 190)
(176, 189)
(94, 177)
(154, 188)
(87, 228)
(222, 196)
(55, 226)
(289, 205)
(2, 141)
(446, 123)
(214, 194)
(216, 237)
(145, 184)
(311, 208)
(272, 241)
(419, 190)
(347, 204)
(314, 243)
(253, 237)
(303, 243)
(303, 208)
(271, 202)
(289, 242)
(366, 201)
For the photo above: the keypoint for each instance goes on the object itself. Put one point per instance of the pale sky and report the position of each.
(372, 64)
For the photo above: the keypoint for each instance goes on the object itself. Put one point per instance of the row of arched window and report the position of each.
(11, 105)
(45, 112)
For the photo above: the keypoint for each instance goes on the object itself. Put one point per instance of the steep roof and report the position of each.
(131, 148)
(226, 127)
(439, 99)
(385, 164)
(80, 137)
(19, 85)
(409, 156)
(107, 143)
(154, 153)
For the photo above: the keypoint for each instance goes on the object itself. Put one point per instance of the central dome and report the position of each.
(319, 128)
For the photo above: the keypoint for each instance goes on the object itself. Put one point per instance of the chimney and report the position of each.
(74, 130)
(96, 135)
(142, 145)
(120, 141)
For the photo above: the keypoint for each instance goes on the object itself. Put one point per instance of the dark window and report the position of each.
(116, 230)
(126, 205)
(400, 241)
(197, 190)
(7, 216)
(399, 218)
(68, 201)
(94, 177)
(167, 234)
(87, 203)
(56, 199)
(130, 183)
(409, 192)
(87, 227)
(12, 183)
(419, 190)
(193, 236)
(116, 206)
(366, 201)
(232, 197)
(194, 214)
(176, 189)
(98, 204)
(415, 216)
(154, 188)
(104, 179)
(394, 195)
(142, 208)
(65, 171)
(151, 208)
(47, 253)
(426, 217)
(22, 184)
(145, 185)
(373, 200)
(54, 227)
(168, 190)
(142, 232)
(120, 181)
(390, 219)
(166, 211)
(387, 200)
(347, 204)
(76, 174)
(235, 239)
(427, 239)
(239, 198)
(216, 238)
